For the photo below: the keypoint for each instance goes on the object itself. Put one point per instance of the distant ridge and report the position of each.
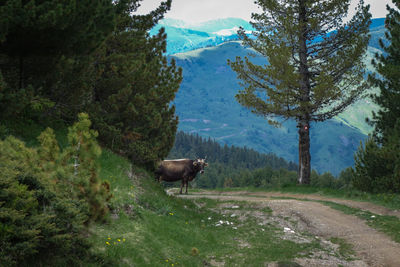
(183, 36)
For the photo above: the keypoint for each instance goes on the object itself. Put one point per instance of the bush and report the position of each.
(376, 167)
(48, 197)
(36, 217)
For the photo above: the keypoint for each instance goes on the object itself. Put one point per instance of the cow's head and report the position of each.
(200, 164)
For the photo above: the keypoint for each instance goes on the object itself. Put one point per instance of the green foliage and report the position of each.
(49, 196)
(37, 218)
(131, 102)
(377, 166)
(81, 156)
(311, 75)
(387, 79)
(37, 33)
(213, 112)
(230, 166)
(45, 53)
(330, 65)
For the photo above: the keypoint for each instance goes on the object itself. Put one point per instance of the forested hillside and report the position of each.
(91, 71)
(89, 105)
(206, 106)
(230, 165)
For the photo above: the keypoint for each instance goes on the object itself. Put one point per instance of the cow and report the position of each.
(180, 169)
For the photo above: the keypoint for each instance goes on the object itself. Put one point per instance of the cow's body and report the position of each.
(180, 169)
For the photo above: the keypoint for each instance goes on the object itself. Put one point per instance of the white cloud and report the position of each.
(202, 10)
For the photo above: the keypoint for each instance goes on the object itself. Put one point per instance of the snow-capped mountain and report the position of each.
(183, 36)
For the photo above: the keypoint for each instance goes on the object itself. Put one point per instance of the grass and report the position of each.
(162, 230)
(146, 227)
(345, 249)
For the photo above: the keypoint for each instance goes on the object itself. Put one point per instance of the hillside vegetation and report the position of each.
(87, 111)
(209, 85)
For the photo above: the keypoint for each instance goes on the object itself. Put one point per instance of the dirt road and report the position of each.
(372, 248)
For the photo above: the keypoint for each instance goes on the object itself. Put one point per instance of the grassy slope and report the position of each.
(150, 228)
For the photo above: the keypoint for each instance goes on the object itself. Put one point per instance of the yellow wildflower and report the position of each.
(119, 240)
(109, 238)
(108, 243)
(123, 240)
(166, 260)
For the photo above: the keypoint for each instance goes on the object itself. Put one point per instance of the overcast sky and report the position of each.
(203, 10)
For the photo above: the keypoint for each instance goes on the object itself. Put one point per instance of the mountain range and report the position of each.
(183, 36)
(206, 102)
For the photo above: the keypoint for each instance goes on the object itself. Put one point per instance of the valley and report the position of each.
(206, 105)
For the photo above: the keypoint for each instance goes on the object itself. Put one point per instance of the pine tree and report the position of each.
(131, 101)
(387, 65)
(80, 159)
(315, 65)
(38, 217)
(44, 30)
(45, 47)
(377, 162)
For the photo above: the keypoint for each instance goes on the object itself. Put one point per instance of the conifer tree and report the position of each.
(315, 68)
(387, 65)
(131, 101)
(38, 217)
(80, 158)
(45, 48)
(377, 162)
(35, 33)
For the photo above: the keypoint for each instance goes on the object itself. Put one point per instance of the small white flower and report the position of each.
(286, 229)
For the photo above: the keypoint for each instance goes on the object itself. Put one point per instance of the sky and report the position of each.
(194, 11)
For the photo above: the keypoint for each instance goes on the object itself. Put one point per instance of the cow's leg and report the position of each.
(183, 182)
(187, 182)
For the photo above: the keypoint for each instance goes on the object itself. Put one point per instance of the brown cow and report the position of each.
(180, 169)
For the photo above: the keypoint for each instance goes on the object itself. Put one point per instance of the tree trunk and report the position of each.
(304, 153)
(305, 88)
